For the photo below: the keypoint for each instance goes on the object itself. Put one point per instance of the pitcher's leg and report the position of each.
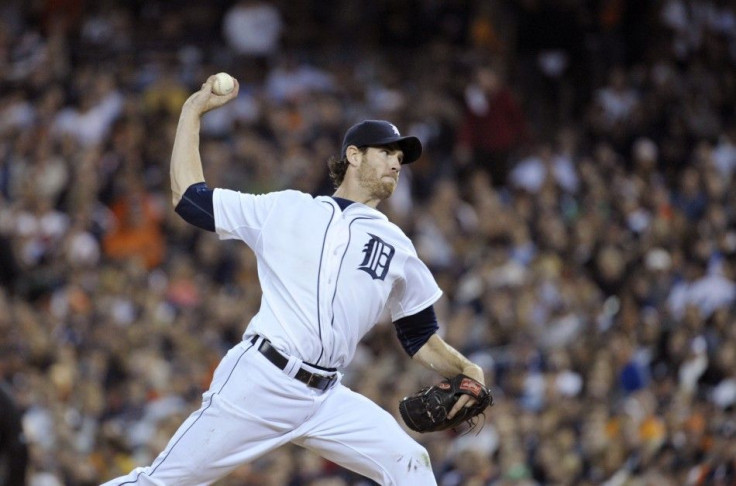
(357, 434)
(207, 446)
(238, 421)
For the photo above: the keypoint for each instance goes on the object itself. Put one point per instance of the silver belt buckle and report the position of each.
(330, 381)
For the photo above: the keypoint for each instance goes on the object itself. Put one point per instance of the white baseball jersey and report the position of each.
(326, 274)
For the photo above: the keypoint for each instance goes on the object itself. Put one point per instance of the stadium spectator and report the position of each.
(494, 125)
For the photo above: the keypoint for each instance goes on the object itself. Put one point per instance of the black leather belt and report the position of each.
(314, 380)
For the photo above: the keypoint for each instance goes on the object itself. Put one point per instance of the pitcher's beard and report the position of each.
(379, 187)
(384, 189)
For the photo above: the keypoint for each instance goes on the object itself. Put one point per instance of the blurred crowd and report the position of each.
(575, 201)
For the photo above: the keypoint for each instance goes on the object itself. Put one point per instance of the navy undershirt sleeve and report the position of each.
(196, 206)
(415, 330)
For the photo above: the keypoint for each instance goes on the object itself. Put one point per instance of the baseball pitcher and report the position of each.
(328, 267)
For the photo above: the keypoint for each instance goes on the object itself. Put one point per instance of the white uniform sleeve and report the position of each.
(241, 216)
(417, 291)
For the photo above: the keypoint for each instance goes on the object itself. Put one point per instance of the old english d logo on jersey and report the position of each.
(378, 255)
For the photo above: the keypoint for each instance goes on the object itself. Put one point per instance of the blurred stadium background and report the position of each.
(575, 201)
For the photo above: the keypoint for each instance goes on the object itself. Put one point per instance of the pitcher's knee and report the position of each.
(412, 466)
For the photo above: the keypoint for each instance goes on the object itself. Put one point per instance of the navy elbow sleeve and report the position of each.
(196, 206)
(413, 331)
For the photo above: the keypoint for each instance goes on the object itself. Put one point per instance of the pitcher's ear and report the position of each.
(352, 155)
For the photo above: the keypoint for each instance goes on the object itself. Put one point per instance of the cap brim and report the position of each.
(411, 146)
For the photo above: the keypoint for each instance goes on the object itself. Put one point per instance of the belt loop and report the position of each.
(293, 366)
(256, 341)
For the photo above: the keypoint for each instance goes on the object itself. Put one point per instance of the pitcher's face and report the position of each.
(379, 170)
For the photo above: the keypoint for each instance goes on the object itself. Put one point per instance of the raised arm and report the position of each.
(439, 356)
(186, 164)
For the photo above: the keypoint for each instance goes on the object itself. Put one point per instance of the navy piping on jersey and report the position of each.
(339, 269)
(153, 471)
(319, 274)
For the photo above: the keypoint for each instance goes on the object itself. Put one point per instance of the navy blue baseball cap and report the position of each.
(373, 133)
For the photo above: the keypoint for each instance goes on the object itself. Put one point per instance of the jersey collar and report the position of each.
(354, 208)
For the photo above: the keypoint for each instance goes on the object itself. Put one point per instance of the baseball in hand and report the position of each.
(224, 84)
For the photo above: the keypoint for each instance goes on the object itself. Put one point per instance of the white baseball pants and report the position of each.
(252, 407)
